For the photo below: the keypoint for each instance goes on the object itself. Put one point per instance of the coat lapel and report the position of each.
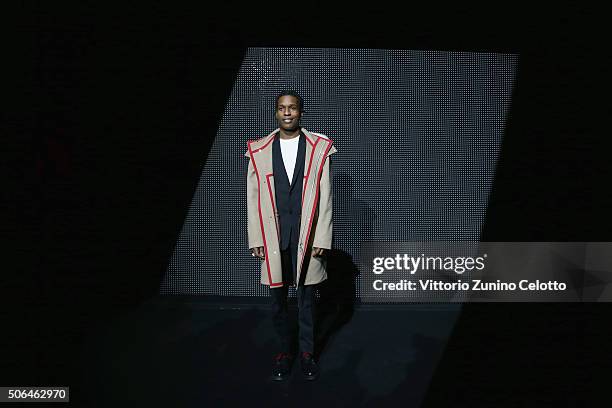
(308, 143)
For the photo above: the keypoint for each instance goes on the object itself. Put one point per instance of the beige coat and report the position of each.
(316, 215)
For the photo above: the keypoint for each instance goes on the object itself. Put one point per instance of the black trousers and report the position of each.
(306, 305)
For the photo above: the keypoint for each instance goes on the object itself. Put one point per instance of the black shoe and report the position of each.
(310, 369)
(281, 367)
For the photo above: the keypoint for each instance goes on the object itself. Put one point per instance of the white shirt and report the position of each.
(289, 149)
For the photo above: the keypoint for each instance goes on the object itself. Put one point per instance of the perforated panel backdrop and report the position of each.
(418, 135)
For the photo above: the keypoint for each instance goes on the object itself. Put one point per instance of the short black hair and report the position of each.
(290, 93)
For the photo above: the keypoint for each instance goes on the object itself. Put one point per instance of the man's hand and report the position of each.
(258, 252)
(318, 251)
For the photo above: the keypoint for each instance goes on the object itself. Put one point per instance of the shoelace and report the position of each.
(280, 356)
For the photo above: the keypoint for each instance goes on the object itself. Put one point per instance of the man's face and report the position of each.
(288, 112)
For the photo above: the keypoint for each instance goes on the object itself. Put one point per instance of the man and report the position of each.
(289, 205)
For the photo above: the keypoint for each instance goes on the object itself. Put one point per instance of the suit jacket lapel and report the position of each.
(299, 164)
(278, 163)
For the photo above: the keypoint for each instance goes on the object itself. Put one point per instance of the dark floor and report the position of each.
(200, 351)
(187, 352)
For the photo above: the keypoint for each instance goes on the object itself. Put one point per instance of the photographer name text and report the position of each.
(473, 285)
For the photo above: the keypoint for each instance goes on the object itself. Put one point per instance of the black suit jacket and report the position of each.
(288, 196)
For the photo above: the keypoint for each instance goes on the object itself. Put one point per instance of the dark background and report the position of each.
(122, 109)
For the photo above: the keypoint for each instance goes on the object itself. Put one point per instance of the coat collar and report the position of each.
(266, 140)
(262, 144)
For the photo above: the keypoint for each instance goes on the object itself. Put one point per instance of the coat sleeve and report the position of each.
(324, 227)
(253, 222)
